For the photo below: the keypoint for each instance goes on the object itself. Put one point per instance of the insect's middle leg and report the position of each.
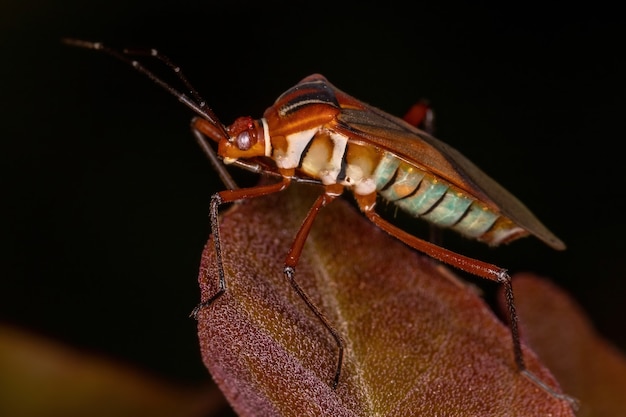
(290, 268)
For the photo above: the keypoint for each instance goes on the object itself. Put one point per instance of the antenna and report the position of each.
(195, 103)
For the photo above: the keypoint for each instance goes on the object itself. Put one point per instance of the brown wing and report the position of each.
(380, 129)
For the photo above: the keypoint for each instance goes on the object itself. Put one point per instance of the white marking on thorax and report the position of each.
(358, 181)
(329, 174)
(358, 175)
(296, 143)
(266, 135)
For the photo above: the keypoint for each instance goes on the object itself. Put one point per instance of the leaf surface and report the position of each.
(589, 367)
(418, 341)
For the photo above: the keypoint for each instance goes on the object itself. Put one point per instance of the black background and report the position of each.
(106, 194)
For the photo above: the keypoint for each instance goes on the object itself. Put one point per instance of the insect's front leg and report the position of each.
(332, 192)
(229, 196)
(216, 163)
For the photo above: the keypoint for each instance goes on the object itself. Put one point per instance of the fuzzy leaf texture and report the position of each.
(418, 341)
(588, 366)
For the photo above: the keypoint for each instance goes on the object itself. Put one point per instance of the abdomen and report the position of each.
(423, 195)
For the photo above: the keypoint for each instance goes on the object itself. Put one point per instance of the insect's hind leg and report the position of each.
(229, 196)
(290, 269)
(422, 116)
(472, 266)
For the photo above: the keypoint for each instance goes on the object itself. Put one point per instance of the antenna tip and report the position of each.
(81, 43)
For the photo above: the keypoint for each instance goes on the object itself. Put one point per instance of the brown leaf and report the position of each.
(588, 366)
(418, 343)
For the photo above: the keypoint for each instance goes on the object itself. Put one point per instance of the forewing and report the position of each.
(392, 134)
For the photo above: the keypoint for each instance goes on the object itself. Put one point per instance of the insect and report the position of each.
(316, 133)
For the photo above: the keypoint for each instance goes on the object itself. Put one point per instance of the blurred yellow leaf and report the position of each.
(39, 377)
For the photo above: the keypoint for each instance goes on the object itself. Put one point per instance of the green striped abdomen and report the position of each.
(423, 195)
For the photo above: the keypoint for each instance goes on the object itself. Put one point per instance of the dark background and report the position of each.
(106, 195)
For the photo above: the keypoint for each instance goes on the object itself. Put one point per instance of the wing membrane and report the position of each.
(394, 135)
